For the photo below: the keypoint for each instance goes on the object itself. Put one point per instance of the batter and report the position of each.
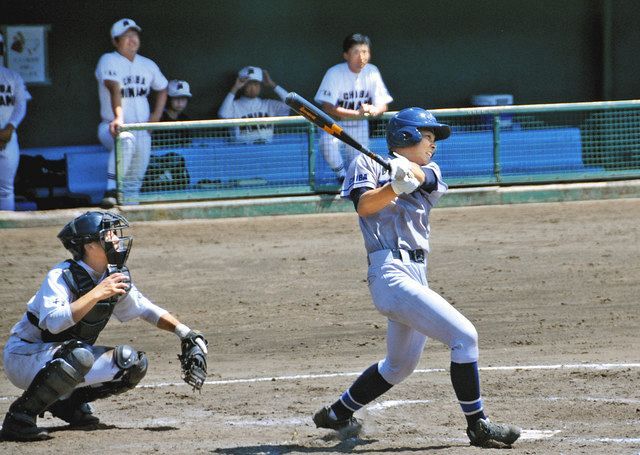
(394, 212)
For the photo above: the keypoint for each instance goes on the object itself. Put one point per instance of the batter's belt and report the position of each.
(382, 256)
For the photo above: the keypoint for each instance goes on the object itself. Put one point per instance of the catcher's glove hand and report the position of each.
(193, 359)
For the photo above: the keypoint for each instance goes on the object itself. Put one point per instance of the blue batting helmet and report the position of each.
(403, 128)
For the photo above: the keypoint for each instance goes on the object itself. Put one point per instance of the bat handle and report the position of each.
(377, 158)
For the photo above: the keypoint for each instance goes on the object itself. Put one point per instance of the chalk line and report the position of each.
(570, 366)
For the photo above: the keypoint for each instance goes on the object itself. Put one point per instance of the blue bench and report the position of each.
(522, 152)
(86, 167)
(283, 161)
(542, 151)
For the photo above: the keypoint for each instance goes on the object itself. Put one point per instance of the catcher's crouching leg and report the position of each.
(133, 367)
(57, 378)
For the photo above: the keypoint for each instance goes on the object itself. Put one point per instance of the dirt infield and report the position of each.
(552, 289)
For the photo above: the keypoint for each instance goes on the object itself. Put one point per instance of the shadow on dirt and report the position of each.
(347, 446)
(104, 426)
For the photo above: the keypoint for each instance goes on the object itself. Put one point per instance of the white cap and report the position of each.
(253, 73)
(122, 26)
(179, 88)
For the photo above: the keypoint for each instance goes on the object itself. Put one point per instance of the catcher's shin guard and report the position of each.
(133, 367)
(58, 377)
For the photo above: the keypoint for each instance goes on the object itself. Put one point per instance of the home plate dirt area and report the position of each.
(551, 288)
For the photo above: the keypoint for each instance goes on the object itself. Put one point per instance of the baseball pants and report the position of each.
(9, 160)
(23, 360)
(135, 159)
(400, 291)
(333, 148)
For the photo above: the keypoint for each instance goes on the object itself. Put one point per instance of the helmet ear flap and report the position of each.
(405, 136)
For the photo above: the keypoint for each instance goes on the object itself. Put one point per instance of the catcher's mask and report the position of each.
(104, 227)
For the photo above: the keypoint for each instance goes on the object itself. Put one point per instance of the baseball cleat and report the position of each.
(22, 427)
(348, 428)
(109, 200)
(486, 433)
(77, 417)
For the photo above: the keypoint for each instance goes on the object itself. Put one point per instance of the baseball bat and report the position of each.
(321, 119)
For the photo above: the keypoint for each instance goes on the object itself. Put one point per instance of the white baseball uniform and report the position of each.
(136, 78)
(397, 242)
(341, 87)
(13, 107)
(25, 353)
(257, 107)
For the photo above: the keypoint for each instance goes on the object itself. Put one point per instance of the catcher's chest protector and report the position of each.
(90, 326)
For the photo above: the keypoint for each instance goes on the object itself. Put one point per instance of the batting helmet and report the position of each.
(94, 227)
(403, 128)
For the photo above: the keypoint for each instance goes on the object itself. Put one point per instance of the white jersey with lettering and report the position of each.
(13, 107)
(257, 107)
(341, 87)
(397, 242)
(136, 78)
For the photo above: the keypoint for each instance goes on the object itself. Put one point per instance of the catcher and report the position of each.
(51, 352)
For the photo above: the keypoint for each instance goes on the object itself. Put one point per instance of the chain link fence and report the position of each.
(218, 159)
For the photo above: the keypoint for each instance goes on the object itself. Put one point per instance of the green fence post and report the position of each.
(312, 156)
(496, 147)
(119, 170)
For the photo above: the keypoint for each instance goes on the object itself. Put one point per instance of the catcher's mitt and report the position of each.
(193, 359)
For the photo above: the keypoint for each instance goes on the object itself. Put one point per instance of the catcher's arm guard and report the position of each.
(193, 359)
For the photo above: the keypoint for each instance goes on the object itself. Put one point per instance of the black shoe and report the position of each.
(109, 199)
(22, 427)
(76, 416)
(485, 433)
(348, 428)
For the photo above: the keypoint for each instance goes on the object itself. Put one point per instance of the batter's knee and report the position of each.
(396, 372)
(464, 346)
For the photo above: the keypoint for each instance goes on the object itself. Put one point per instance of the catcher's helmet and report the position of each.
(94, 227)
(402, 130)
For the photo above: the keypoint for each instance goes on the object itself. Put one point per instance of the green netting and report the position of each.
(279, 156)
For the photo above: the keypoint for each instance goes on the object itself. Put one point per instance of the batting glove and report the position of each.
(406, 185)
(400, 167)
